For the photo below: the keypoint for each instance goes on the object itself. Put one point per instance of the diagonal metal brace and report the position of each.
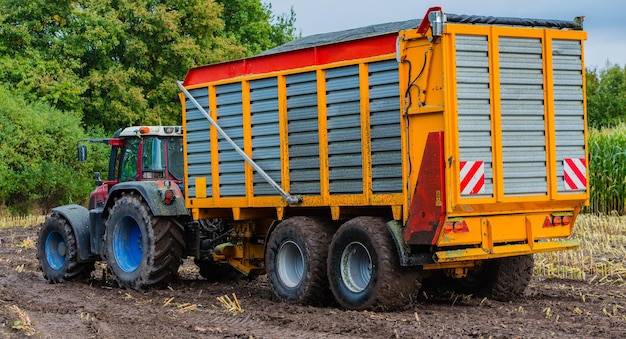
(291, 199)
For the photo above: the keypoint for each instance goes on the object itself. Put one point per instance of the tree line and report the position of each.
(72, 70)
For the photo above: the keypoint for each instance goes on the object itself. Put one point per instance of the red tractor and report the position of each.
(134, 220)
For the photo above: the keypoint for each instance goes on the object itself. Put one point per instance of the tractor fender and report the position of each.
(78, 218)
(151, 192)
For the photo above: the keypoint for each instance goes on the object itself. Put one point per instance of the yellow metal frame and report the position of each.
(499, 203)
(208, 204)
(499, 225)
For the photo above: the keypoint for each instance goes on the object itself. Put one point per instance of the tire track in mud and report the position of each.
(240, 324)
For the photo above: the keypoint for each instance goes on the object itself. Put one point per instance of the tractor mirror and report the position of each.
(82, 153)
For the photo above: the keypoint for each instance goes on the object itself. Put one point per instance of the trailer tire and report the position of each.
(364, 268)
(141, 250)
(57, 252)
(502, 279)
(295, 260)
(217, 271)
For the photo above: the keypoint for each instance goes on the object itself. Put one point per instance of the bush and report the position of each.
(38, 166)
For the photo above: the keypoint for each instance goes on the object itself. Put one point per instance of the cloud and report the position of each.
(604, 20)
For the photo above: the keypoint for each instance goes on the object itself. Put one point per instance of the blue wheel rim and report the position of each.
(55, 250)
(127, 244)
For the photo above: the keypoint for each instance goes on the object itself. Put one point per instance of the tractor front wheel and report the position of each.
(57, 252)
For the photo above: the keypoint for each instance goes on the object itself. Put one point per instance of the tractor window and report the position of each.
(128, 165)
(153, 155)
(175, 157)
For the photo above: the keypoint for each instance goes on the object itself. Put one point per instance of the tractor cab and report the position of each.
(146, 153)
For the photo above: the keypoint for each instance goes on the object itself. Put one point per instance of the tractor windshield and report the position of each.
(158, 154)
(162, 153)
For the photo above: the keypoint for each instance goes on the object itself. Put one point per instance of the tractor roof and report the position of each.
(161, 131)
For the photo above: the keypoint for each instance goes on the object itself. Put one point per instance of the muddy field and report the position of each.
(189, 308)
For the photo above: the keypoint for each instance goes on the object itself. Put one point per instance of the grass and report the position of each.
(600, 257)
(23, 221)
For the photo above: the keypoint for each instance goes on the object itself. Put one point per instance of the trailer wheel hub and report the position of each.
(356, 267)
(290, 264)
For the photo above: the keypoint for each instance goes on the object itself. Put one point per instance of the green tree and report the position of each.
(38, 156)
(606, 96)
(117, 61)
(254, 26)
(29, 55)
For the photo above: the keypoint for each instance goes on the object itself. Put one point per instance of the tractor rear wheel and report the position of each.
(57, 252)
(141, 250)
(364, 268)
(295, 260)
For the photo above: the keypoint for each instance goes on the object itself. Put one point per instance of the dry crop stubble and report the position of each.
(600, 257)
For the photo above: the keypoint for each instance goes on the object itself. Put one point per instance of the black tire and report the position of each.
(57, 252)
(364, 269)
(218, 271)
(502, 279)
(295, 259)
(141, 250)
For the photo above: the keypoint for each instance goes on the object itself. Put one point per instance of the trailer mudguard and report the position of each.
(427, 209)
(78, 218)
(151, 192)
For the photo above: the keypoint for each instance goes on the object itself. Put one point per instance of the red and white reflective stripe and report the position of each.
(472, 177)
(575, 173)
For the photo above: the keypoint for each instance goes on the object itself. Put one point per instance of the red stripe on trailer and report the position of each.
(575, 173)
(472, 177)
(319, 55)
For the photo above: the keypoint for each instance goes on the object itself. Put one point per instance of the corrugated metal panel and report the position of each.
(265, 133)
(474, 105)
(198, 143)
(385, 127)
(230, 119)
(522, 116)
(344, 130)
(568, 105)
(302, 113)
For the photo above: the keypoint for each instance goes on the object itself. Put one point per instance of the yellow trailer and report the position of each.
(365, 161)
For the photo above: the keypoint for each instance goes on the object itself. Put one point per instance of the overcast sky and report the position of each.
(605, 20)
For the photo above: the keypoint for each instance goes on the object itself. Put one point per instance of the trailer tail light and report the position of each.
(567, 220)
(461, 227)
(557, 220)
(456, 227)
(547, 223)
